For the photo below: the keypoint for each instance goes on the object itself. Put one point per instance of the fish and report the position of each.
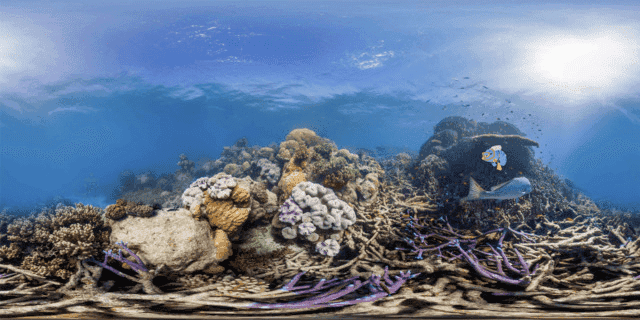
(512, 189)
(496, 156)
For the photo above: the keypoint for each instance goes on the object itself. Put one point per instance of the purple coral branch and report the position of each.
(375, 286)
(138, 267)
(471, 259)
(467, 254)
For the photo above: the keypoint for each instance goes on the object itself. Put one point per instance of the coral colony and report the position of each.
(457, 241)
(414, 233)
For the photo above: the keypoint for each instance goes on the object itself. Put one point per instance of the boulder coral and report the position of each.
(174, 239)
(228, 202)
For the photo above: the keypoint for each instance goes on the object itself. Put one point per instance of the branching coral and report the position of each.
(377, 288)
(145, 277)
(51, 243)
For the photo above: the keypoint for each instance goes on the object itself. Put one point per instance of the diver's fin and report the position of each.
(474, 190)
(494, 188)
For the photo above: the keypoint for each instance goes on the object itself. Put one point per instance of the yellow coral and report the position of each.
(287, 148)
(222, 244)
(225, 215)
(290, 180)
(241, 195)
(304, 136)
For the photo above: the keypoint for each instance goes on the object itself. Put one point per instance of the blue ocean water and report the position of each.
(89, 91)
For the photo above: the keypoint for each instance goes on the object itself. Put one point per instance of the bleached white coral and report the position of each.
(327, 211)
(289, 233)
(306, 228)
(217, 187)
(329, 247)
(221, 186)
(192, 197)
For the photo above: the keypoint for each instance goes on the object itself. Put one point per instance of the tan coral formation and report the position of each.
(51, 243)
(123, 207)
(308, 157)
(224, 214)
(222, 244)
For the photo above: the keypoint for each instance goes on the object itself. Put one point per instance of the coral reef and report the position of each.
(228, 202)
(449, 158)
(294, 243)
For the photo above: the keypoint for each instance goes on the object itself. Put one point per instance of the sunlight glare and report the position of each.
(576, 66)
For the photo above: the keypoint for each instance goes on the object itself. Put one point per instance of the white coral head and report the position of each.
(329, 247)
(289, 233)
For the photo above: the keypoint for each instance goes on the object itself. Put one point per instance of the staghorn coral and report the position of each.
(250, 262)
(51, 243)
